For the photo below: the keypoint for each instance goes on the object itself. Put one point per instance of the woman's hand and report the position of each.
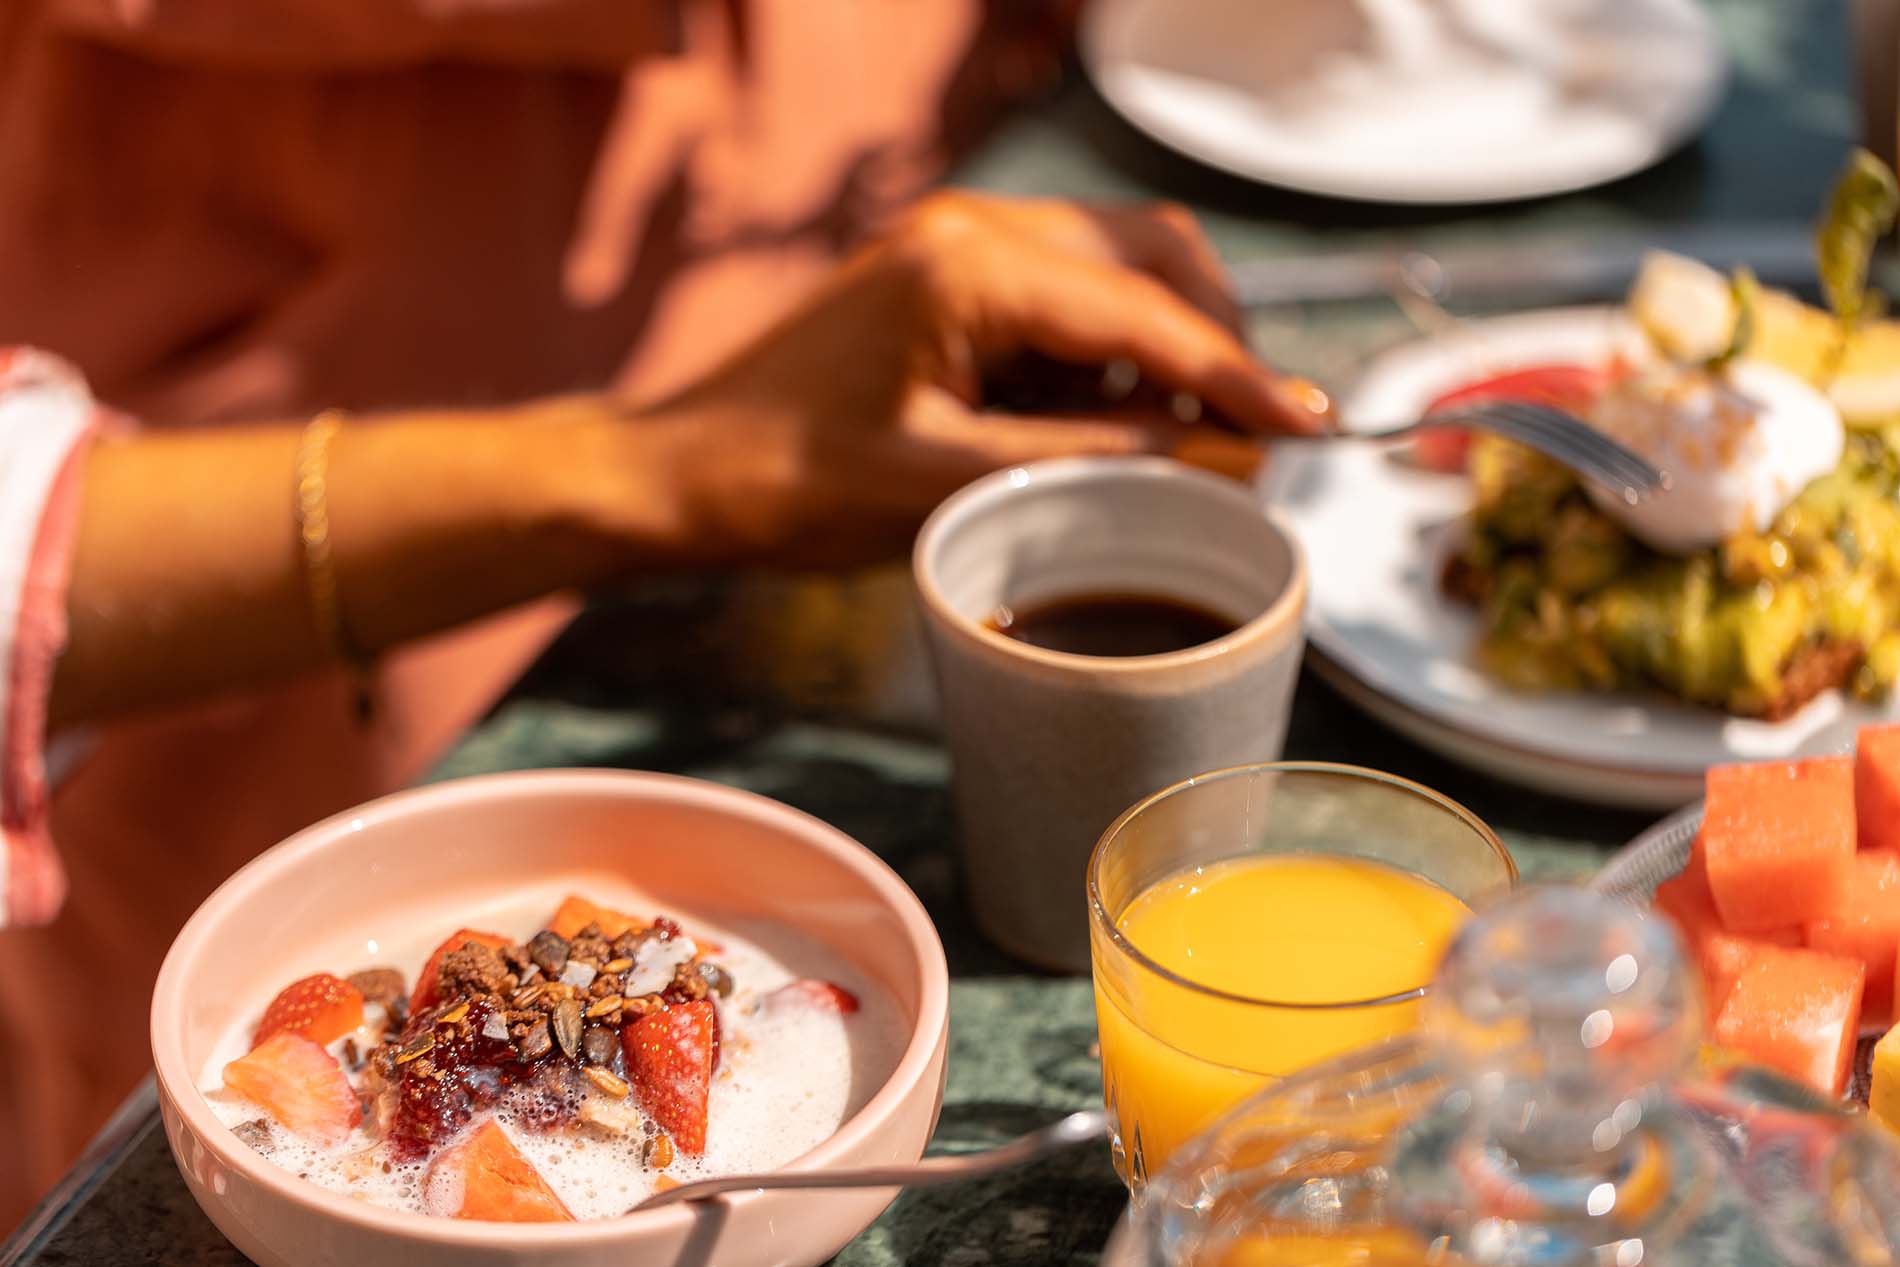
(829, 439)
(824, 443)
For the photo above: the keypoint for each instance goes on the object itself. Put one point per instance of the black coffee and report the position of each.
(1112, 624)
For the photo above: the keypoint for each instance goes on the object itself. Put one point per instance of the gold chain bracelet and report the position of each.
(319, 559)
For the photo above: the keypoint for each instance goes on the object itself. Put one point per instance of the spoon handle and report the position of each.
(1077, 1128)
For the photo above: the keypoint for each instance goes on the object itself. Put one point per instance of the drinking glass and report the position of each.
(1177, 1053)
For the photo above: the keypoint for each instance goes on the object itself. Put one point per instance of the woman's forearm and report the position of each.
(188, 575)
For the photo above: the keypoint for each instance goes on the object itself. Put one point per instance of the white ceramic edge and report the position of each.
(976, 496)
(929, 1036)
(1598, 785)
(1098, 16)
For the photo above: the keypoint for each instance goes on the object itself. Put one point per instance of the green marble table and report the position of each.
(672, 677)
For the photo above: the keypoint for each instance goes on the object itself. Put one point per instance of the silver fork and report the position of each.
(1562, 437)
(1077, 1128)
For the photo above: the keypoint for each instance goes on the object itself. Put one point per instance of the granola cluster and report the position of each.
(537, 1025)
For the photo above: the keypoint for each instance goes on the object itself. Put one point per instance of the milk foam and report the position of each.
(788, 1077)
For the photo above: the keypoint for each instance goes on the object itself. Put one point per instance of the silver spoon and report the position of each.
(1077, 1128)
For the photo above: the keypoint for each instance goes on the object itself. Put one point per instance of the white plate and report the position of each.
(1375, 533)
(1413, 101)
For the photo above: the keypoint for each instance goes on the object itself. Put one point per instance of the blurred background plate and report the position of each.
(1459, 101)
(1376, 532)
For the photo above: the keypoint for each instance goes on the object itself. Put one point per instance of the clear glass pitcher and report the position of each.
(1553, 1110)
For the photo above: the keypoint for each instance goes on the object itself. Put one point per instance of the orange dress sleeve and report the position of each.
(372, 34)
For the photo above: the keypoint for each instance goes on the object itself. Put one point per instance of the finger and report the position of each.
(1161, 239)
(1091, 313)
(952, 446)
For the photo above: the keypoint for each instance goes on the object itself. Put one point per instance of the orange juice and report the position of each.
(1309, 932)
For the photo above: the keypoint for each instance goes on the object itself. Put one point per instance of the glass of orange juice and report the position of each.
(1251, 922)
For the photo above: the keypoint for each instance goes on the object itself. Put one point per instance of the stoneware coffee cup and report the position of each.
(1049, 746)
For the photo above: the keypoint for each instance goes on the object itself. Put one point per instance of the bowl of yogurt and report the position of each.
(479, 1021)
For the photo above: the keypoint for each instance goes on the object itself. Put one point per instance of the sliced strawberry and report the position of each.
(300, 1085)
(486, 1177)
(322, 1009)
(813, 993)
(429, 980)
(670, 1063)
(576, 913)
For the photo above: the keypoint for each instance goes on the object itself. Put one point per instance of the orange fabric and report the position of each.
(375, 203)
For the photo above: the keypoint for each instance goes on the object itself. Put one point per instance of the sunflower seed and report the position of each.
(567, 1026)
(617, 965)
(609, 1004)
(526, 996)
(607, 1081)
(658, 1152)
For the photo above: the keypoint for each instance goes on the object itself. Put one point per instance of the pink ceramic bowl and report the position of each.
(428, 857)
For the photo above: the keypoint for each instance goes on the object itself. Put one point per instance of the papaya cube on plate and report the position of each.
(1796, 1011)
(1722, 956)
(1778, 840)
(1884, 1100)
(1877, 786)
(1866, 925)
(1717, 953)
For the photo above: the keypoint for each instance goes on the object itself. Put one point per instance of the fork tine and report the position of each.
(1641, 473)
(1555, 422)
(1562, 440)
(1570, 441)
(1612, 455)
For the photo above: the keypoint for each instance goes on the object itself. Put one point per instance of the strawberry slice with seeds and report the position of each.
(812, 993)
(669, 1064)
(429, 980)
(321, 1008)
(300, 1085)
(486, 1177)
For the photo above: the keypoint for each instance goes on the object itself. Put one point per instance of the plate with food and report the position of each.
(1783, 883)
(1491, 604)
(496, 1015)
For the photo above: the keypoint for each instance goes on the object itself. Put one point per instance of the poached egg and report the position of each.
(1738, 444)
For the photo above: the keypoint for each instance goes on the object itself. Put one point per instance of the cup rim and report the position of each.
(1098, 911)
(1282, 608)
